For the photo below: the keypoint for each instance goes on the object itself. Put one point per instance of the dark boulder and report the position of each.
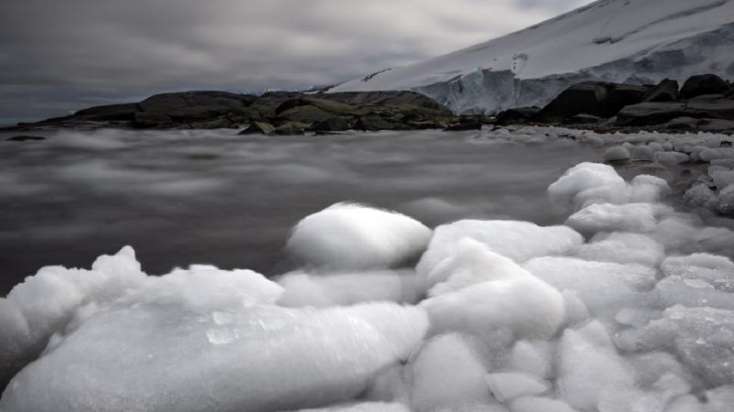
(650, 113)
(703, 84)
(186, 107)
(25, 138)
(519, 115)
(333, 124)
(619, 96)
(258, 128)
(305, 114)
(109, 113)
(711, 106)
(465, 123)
(323, 104)
(291, 129)
(375, 123)
(582, 118)
(666, 91)
(594, 98)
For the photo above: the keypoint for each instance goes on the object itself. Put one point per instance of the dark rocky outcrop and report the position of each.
(25, 138)
(284, 112)
(464, 123)
(258, 128)
(610, 107)
(666, 91)
(594, 98)
(291, 129)
(650, 113)
(517, 115)
(333, 124)
(703, 84)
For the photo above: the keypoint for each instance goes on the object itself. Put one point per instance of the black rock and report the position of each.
(259, 128)
(375, 123)
(25, 138)
(665, 91)
(519, 115)
(594, 98)
(582, 119)
(333, 124)
(650, 113)
(465, 123)
(711, 106)
(291, 129)
(113, 112)
(703, 84)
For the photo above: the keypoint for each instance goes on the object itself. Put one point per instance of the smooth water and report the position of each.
(213, 197)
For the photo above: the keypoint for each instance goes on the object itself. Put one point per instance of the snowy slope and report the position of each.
(617, 40)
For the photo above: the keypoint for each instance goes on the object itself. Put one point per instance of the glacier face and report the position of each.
(635, 41)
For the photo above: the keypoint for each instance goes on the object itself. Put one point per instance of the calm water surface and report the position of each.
(213, 197)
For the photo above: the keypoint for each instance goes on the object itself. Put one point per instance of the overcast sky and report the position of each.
(57, 56)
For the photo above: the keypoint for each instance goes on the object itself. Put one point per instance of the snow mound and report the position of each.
(173, 358)
(613, 40)
(350, 236)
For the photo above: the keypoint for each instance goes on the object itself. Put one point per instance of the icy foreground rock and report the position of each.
(629, 310)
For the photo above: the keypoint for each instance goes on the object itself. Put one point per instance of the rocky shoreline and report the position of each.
(703, 103)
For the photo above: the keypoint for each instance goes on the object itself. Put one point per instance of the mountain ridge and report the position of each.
(626, 41)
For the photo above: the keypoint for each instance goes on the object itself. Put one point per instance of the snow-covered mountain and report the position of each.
(636, 41)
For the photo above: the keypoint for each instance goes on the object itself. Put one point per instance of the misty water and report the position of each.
(183, 197)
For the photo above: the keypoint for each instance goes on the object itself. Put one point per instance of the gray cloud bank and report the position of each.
(58, 56)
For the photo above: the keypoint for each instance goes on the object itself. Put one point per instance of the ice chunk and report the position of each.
(472, 263)
(15, 341)
(604, 287)
(686, 403)
(206, 288)
(537, 404)
(671, 158)
(723, 178)
(49, 299)
(700, 195)
(607, 217)
(725, 204)
(148, 356)
(710, 154)
(531, 357)
(647, 189)
(701, 337)
(510, 385)
(354, 237)
(519, 241)
(363, 407)
(617, 154)
(516, 302)
(334, 289)
(590, 366)
(621, 247)
(718, 271)
(641, 152)
(448, 375)
(589, 183)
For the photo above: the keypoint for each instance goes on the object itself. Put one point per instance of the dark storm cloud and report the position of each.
(57, 56)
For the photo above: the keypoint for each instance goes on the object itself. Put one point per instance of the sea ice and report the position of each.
(349, 236)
